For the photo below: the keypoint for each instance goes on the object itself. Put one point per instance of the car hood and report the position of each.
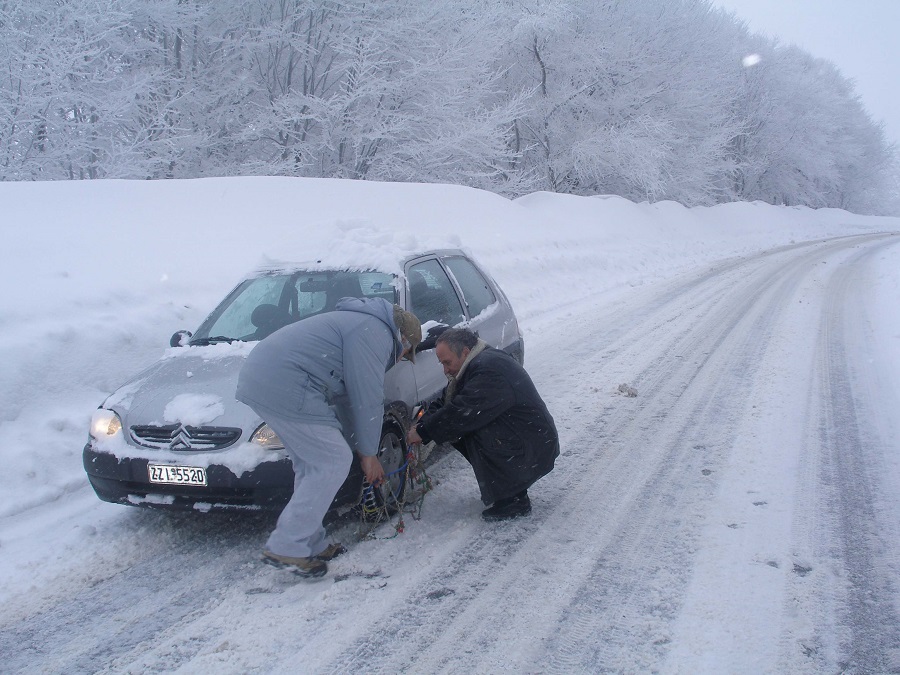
(193, 386)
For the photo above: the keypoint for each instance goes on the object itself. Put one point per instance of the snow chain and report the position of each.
(410, 500)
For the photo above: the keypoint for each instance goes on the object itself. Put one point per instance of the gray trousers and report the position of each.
(321, 459)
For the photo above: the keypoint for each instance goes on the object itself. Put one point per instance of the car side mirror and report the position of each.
(180, 338)
(430, 339)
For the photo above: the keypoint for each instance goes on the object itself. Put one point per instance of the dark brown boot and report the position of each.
(302, 567)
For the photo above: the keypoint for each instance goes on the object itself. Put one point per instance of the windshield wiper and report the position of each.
(202, 342)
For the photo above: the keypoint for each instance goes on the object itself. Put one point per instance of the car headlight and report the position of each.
(105, 424)
(266, 438)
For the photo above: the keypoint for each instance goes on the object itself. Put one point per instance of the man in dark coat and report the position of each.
(491, 412)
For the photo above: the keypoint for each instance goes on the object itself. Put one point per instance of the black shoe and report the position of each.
(507, 509)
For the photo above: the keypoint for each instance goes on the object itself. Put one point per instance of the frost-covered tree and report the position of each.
(649, 100)
(173, 89)
(61, 69)
(102, 91)
(387, 90)
(807, 139)
(628, 98)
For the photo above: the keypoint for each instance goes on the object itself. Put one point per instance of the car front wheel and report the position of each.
(388, 497)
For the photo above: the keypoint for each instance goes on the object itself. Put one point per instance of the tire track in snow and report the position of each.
(163, 572)
(735, 353)
(842, 581)
(620, 594)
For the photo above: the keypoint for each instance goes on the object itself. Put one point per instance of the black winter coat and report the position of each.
(497, 420)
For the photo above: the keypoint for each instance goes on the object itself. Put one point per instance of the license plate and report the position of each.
(176, 475)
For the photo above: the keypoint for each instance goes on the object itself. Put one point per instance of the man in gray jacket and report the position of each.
(293, 378)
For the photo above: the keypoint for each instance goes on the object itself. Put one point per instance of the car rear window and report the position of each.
(474, 286)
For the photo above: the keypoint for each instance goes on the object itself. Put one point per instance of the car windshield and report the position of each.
(263, 304)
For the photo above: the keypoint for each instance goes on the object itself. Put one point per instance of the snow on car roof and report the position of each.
(361, 246)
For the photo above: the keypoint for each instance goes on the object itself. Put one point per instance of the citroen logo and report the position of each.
(181, 441)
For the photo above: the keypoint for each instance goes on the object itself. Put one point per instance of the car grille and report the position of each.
(184, 437)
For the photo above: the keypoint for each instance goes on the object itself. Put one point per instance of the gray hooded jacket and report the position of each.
(339, 358)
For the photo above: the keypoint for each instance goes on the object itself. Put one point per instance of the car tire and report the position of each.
(392, 455)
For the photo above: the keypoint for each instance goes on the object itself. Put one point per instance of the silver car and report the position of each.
(175, 437)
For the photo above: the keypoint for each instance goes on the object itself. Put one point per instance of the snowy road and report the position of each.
(739, 514)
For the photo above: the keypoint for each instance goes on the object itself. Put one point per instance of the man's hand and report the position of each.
(373, 470)
(412, 437)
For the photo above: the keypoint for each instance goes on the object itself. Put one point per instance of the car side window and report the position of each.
(474, 286)
(432, 296)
